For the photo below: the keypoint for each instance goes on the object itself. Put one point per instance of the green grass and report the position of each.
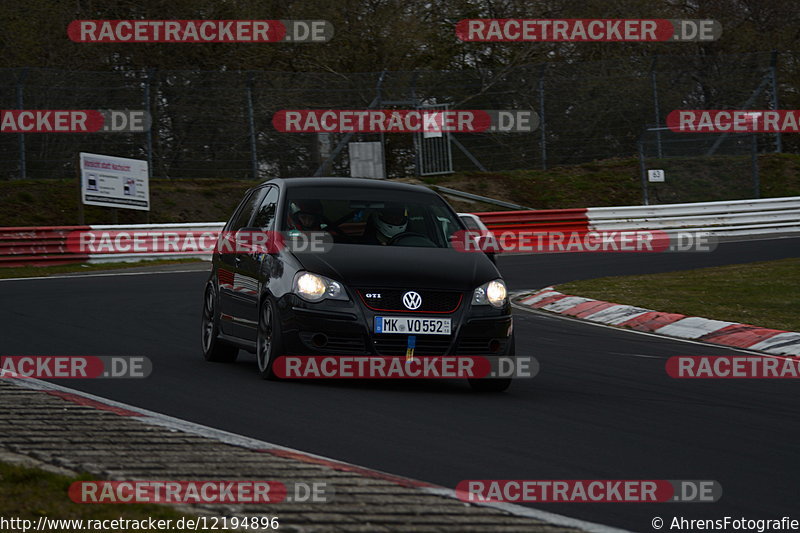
(29, 493)
(54, 202)
(39, 271)
(613, 182)
(610, 182)
(762, 294)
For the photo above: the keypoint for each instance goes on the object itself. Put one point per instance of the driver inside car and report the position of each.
(306, 215)
(389, 222)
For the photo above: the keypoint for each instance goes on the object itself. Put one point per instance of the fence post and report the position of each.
(417, 147)
(643, 174)
(543, 131)
(773, 74)
(21, 136)
(148, 135)
(754, 156)
(654, 82)
(251, 123)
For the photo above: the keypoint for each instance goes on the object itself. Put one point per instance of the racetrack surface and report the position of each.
(602, 406)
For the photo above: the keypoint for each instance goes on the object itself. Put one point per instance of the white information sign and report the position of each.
(110, 181)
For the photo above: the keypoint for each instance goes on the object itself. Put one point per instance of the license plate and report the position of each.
(412, 326)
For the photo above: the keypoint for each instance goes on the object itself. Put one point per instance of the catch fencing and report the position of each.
(218, 124)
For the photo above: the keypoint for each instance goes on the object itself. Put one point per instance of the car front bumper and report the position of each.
(346, 328)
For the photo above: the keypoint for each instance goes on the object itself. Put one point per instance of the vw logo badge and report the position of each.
(412, 300)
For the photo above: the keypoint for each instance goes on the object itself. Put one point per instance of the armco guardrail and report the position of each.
(121, 257)
(764, 218)
(761, 218)
(544, 220)
(741, 218)
(47, 245)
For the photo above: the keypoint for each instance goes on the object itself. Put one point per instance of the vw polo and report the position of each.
(391, 281)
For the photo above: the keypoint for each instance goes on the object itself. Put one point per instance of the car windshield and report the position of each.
(371, 216)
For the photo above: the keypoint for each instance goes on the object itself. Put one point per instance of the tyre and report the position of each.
(493, 384)
(214, 349)
(269, 343)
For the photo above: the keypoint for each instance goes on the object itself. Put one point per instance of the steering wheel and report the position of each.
(334, 229)
(407, 234)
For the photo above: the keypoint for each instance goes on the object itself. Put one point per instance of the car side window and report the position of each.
(265, 215)
(244, 215)
(469, 222)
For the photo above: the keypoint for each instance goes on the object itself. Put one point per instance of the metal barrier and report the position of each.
(766, 218)
(742, 218)
(44, 245)
(50, 246)
(545, 220)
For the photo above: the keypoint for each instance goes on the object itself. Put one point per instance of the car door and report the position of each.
(232, 274)
(254, 267)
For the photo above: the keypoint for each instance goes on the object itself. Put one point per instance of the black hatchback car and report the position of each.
(389, 254)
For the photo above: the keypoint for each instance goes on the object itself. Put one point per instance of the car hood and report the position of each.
(401, 266)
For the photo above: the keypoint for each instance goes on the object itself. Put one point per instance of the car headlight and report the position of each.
(492, 293)
(314, 288)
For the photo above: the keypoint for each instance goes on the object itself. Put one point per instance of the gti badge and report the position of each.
(412, 300)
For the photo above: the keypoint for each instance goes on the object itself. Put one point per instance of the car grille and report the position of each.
(425, 345)
(392, 300)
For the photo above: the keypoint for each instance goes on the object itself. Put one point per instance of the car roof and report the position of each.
(291, 183)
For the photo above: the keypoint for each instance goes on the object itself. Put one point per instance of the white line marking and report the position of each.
(721, 242)
(167, 421)
(123, 273)
(639, 355)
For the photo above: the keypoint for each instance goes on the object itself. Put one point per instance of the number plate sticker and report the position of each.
(405, 325)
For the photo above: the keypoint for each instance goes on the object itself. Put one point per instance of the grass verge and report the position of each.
(762, 294)
(40, 271)
(29, 493)
(609, 182)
